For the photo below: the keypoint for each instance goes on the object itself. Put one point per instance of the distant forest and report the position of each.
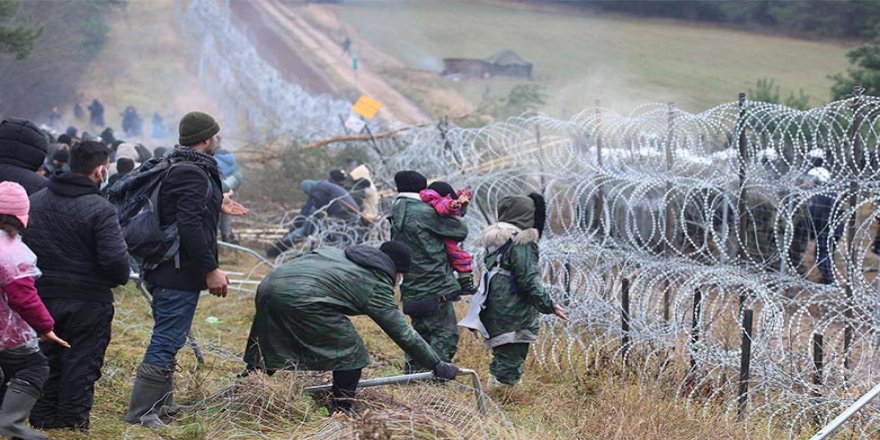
(849, 19)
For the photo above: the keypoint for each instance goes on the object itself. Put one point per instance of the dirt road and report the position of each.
(300, 36)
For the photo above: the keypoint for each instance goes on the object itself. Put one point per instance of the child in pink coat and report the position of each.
(22, 318)
(450, 203)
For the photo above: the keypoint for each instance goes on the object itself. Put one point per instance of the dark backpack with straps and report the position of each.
(136, 198)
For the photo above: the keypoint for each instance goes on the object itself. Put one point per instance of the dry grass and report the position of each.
(582, 403)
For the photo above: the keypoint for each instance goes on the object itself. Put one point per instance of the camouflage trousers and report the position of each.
(507, 362)
(440, 331)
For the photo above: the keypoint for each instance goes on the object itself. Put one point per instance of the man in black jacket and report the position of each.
(80, 250)
(191, 196)
(22, 150)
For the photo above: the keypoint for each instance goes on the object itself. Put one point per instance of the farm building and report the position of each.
(506, 63)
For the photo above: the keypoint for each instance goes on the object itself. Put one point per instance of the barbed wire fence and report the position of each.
(711, 251)
(707, 250)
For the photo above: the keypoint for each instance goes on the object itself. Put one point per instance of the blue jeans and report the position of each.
(173, 311)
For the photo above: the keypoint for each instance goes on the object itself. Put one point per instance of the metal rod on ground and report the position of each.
(247, 251)
(624, 318)
(413, 378)
(745, 361)
(851, 411)
(695, 325)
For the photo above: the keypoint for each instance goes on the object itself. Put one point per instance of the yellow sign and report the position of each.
(366, 107)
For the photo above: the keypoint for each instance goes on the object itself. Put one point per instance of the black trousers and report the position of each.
(32, 368)
(345, 384)
(70, 391)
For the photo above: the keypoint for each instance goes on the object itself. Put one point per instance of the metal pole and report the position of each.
(745, 361)
(695, 324)
(669, 215)
(742, 145)
(624, 318)
(843, 417)
(600, 190)
(857, 156)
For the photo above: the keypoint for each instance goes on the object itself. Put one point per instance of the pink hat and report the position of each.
(14, 201)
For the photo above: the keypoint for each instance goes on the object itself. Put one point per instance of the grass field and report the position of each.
(549, 404)
(581, 57)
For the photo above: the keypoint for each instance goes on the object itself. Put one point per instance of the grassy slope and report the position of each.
(582, 58)
(145, 63)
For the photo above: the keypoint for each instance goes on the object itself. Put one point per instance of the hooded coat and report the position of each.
(228, 170)
(302, 311)
(516, 297)
(418, 225)
(22, 150)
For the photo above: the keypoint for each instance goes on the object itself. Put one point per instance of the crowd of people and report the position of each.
(132, 122)
(68, 235)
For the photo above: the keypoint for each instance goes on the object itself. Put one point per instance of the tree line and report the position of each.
(819, 18)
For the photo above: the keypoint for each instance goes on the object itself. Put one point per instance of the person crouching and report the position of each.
(302, 310)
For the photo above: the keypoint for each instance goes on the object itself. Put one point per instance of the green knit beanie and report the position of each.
(195, 127)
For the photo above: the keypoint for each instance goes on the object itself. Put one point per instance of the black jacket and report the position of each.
(77, 239)
(185, 199)
(22, 151)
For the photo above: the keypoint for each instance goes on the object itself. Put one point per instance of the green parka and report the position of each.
(516, 296)
(418, 225)
(302, 307)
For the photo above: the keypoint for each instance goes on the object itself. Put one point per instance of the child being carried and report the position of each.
(450, 203)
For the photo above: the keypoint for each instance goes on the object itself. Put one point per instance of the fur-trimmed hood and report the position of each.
(495, 236)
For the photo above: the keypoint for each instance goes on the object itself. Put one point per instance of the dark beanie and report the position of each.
(399, 254)
(22, 144)
(195, 127)
(62, 155)
(442, 188)
(124, 166)
(410, 181)
(338, 176)
(65, 138)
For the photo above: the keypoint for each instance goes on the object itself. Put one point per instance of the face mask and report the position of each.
(105, 178)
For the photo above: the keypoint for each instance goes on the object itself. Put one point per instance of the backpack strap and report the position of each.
(500, 253)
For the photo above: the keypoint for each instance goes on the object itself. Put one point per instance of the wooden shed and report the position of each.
(506, 63)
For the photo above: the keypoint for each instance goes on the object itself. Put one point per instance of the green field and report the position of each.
(581, 57)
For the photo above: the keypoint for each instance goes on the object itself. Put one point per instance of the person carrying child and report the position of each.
(451, 203)
(22, 317)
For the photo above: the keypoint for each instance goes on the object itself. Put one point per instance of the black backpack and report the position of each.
(136, 198)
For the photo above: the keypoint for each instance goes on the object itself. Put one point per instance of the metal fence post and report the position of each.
(745, 361)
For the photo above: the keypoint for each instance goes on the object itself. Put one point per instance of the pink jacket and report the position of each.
(21, 310)
(448, 207)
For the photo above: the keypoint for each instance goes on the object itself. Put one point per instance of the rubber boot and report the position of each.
(152, 390)
(17, 404)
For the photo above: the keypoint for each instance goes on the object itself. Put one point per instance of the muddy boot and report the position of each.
(152, 390)
(496, 386)
(17, 404)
